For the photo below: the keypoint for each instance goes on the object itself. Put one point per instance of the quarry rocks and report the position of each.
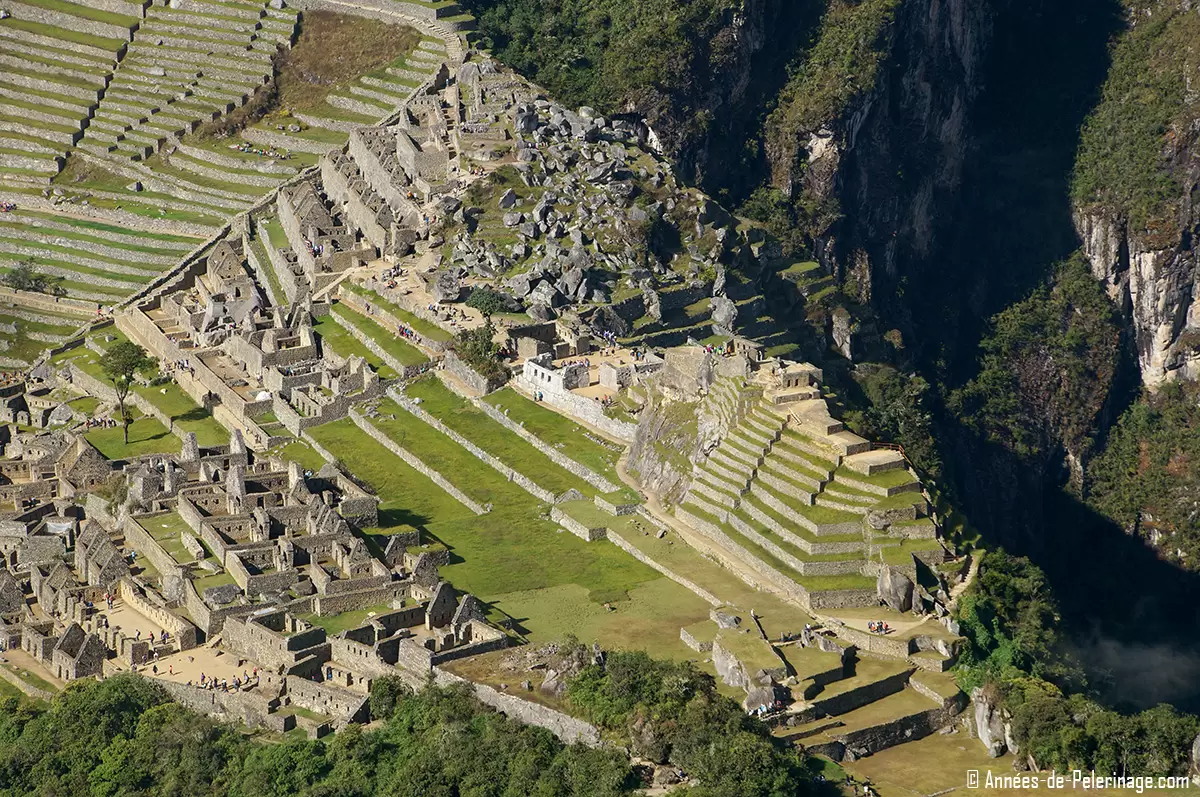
(895, 589)
(989, 725)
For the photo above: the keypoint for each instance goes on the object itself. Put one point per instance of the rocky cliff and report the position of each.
(1137, 186)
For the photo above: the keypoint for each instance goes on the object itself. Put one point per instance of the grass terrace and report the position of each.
(346, 345)
(185, 413)
(558, 431)
(405, 353)
(461, 416)
(409, 498)
(524, 565)
(422, 327)
(479, 481)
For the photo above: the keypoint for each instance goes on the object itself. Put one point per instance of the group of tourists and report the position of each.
(7, 207)
(725, 349)
(100, 423)
(247, 148)
(181, 367)
(879, 627)
(225, 685)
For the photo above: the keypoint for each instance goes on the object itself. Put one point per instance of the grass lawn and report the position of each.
(464, 418)
(405, 353)
(146, 436)
(680, 558)
(561, 432)
(511, 555)
(186, 413)
(215, 580)
(479, 481)
(939, 763)
(420, 325)
(333, 50)
(337, 623)
(409, 497)
(301, 452)
(167, 530)
(345, 345)
(649, 618)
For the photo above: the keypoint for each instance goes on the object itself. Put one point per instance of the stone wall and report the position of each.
(68, 21)
(585, 409)
(567, 728)
(388, 321)
(764, 577)
(475, 381)
(575, 527)
(705, 595)
(402, 370)
(24, 686)
(328, 700)
(183, 633)
(140, 540)
(522, 481)
(337, 188)
(249, 708)
(904, 729)
(556, 456)
(415, 463)
(326, 605)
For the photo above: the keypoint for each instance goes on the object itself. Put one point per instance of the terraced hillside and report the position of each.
(97, 261)
(789, 488)
(152, 108)
(57, 59)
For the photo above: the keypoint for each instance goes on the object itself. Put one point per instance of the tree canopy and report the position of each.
(121, 362)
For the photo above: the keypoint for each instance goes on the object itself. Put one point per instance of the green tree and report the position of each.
(487, 300)
(477, 349)
(386, 694)
(24, 277)
(120, 363)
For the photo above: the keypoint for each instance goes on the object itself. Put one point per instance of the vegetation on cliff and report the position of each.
(1148, 477)
(1046, 368)
(1016, 653)
(841, 66)
(1143, 118)
(656, 55)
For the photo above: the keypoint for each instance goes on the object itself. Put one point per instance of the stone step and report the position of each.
(357, 106)
(395, 100)
(407, 74)
(719, 460)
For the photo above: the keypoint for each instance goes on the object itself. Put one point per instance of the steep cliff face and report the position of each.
(709, 127)
(1136, 187)
(876, 125)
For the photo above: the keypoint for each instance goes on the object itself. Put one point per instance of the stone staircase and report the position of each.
(791, 492)
(52, 77)
(185, 67)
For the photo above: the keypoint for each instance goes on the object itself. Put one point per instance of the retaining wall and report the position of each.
(525, 483)
(705, 595)
(556, 456)
(567, 728)
(413, 461)
(587, 410)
